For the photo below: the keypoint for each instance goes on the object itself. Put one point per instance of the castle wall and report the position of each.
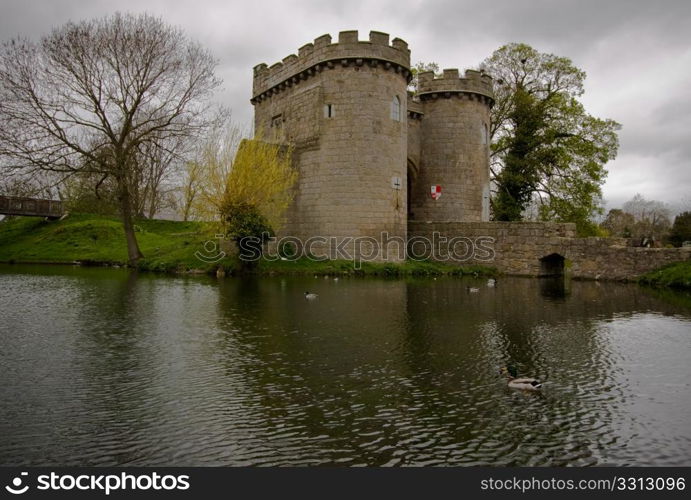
(415, 114)
(349, 151)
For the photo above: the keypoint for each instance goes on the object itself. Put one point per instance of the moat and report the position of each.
(108, 367)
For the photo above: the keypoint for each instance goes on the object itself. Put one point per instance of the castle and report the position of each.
(371, 155)
(374, 158)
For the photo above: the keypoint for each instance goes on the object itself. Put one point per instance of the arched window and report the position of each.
(485, 134)
(396, 109)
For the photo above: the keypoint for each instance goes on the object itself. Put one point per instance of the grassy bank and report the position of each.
(676, 275)
(169, 246)
(97, 239)
(338, 267)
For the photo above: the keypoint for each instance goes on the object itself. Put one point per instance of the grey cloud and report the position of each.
(569, 25)
(626, 47)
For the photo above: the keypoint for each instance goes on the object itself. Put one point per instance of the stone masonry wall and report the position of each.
(519, 246)
(455, 155)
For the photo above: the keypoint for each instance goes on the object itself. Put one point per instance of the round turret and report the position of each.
(454, 147)
(343, 107)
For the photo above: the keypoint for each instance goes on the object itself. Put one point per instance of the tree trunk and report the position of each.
(152, 205)
(186, 213)
(133, 252)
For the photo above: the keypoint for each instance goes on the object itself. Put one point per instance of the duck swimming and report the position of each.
(310, 296)
(472, 289)
(491, 282)
(524, 384)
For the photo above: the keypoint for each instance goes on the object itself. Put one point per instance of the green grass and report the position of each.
(170, 246)
(166, 245)
(337, 267)
(676, 275)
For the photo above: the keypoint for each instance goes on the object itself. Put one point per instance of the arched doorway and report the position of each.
(552, 265)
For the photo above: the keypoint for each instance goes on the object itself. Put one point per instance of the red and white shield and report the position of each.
(436, 192)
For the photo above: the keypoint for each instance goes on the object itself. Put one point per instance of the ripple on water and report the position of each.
(156, 371)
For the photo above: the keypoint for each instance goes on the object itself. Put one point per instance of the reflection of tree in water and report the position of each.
(389, 375)
(561, 342)
(143, 349)
(97, 370)
(316, 365)
(676, 301)
(117, 342)
(153, 370)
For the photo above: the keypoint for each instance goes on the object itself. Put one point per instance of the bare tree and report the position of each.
(190, 189)
(36, 184)
(653, 218)
(159, 162)
(89, 95)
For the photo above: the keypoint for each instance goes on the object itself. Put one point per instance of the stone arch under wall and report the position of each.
(552, 265)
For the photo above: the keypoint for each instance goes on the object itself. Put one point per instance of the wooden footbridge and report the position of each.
(10, 205)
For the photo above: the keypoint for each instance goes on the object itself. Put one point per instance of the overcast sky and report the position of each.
(637, 56)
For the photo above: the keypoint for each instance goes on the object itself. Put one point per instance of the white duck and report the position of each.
(310, 296)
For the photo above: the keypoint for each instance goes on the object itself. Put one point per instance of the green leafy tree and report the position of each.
(421, 67)
(545, 146)
(519, 177)
(619, 223)
(681, 229)
(233, 171)
(244, 186)
(258, 190)
(91, 193)
(248, 228)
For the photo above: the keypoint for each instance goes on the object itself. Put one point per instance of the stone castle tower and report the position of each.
(367, 150)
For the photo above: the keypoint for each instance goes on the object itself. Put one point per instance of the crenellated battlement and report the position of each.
(450, 82)
(323, 54)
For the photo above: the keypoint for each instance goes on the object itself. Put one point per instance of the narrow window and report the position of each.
(396, 109)
(328, 111)
(277, 121)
